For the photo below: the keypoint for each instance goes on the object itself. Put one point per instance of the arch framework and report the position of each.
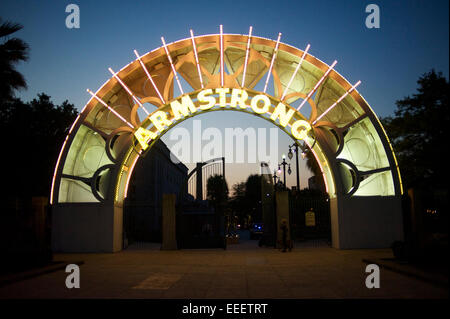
(347, 139)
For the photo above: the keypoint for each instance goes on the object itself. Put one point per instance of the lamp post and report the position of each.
(284, 163)
(290, 155)
(274, 176)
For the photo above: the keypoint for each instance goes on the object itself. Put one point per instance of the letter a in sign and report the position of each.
(143, 135)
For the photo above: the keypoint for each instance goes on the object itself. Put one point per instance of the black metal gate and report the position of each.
(142, 223)
(200, 230)
(301, 204)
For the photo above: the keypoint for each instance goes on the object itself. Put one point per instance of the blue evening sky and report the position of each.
(412, 39)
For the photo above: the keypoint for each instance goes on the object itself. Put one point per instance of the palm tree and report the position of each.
(311, 163)
(12, 51)
(313, 166)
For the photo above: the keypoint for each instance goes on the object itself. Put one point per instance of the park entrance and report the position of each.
(305, 97)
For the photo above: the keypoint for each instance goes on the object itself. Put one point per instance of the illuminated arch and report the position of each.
(99, 153)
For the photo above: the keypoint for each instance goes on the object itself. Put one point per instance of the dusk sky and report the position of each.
(412, 39)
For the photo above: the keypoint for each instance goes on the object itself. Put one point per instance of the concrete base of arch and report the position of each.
(87, 227)
(366, 222)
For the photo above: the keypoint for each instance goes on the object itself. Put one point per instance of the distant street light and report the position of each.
(274, 178)
(284, 163)
(290, 154)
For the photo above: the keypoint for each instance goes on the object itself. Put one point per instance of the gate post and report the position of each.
(282, 209)
(169, 240)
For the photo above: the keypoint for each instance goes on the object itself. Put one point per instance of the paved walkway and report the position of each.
(243, 271)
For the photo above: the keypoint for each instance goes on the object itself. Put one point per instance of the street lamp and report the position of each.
(284, 163)
(275, 177)
(290, 154)
(306, 151)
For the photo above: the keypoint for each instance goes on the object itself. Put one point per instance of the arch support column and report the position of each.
(365, 221)
(87, 227)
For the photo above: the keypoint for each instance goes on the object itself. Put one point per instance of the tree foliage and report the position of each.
(217, 191)
(253, 190)
(32, 135)
(246, 198)
(12, 51)
(237, 200)
(418, 131)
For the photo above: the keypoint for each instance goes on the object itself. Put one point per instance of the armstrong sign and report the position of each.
(206, 99)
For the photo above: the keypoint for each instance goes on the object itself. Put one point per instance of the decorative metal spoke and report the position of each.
(149, 77)
(247, 51)
(295, 72)
(171, 65)
(128, 90)
(196, 59)
(337, 102)
(317, 85)
(111, 109)
(272, 62)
